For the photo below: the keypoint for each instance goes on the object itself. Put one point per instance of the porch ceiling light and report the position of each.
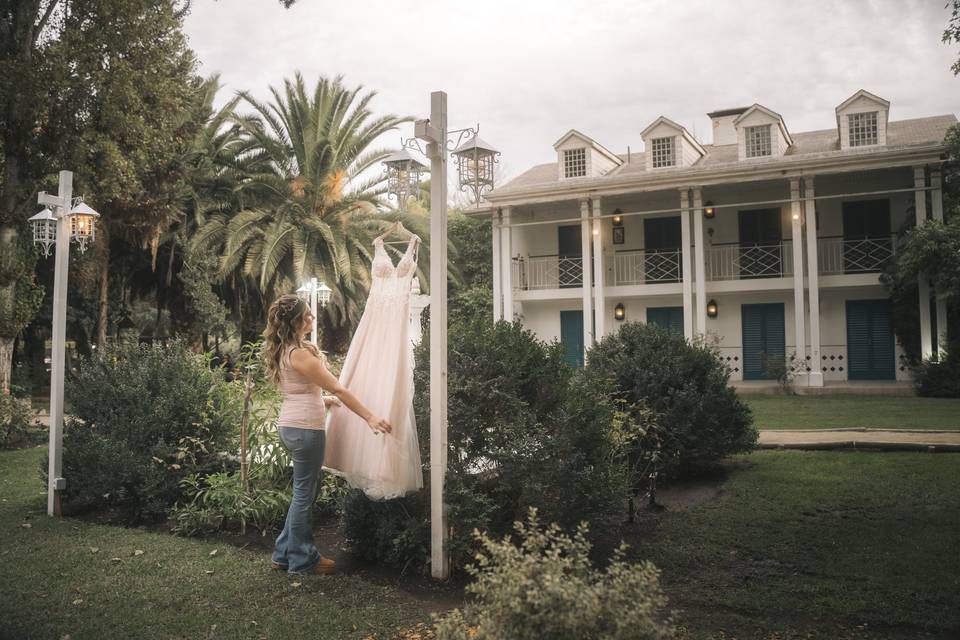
(619, 312)
(712, 309)
(709, 210)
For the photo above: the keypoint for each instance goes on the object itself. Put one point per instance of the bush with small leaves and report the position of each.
(546, 588)
(15, 426)
(143, 419)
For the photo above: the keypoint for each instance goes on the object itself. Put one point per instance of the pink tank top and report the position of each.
(302, 400)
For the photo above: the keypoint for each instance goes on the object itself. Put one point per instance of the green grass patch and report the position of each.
(61, 577)
(848, 412)
(824, 545)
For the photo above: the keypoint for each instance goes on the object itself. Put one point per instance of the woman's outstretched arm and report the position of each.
(311, 367)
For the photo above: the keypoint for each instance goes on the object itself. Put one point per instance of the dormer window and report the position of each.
(574, 163)
(863, 128)
(663, 152)
(758, 141)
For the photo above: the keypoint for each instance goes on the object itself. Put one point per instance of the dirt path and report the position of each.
(887, 439)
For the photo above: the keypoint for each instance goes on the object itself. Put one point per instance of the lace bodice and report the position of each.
(390, 279)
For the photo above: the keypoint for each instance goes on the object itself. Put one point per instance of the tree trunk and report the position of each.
(104, 294)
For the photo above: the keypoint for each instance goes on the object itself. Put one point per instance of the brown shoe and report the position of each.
(276, 566)
(325, 566)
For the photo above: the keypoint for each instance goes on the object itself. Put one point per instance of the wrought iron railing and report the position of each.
(646, 266)
(737, 261)
(837, 255)
(548, 272)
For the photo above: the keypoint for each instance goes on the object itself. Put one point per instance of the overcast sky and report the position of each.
(530, 70)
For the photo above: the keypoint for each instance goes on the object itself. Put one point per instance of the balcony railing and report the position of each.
(643, 267)
(742, 261)
(548, 272)
(836, 255)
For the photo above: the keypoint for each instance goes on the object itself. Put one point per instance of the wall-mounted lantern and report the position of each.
(709, 210)
(619, 312)
(712, 309)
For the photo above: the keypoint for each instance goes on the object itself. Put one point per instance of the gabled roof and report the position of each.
(862, 94)
(727, 112)
(769, 112)
(670, 123)
(590, 141)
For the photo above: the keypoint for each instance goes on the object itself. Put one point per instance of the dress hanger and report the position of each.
(395, 227)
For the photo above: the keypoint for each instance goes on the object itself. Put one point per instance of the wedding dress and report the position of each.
(378, 370)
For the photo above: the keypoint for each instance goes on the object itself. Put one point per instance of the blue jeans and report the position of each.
(294, 547)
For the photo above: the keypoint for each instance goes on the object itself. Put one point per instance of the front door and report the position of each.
(667, 318)
(662, 242)
(870, 343)
(571, 336)
(764, 341)
(569, 256)
(760, 243)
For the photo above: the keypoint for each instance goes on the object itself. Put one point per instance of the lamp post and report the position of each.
(63, 220)
(315, 292)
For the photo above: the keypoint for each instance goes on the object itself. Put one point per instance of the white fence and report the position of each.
(835, 255)
(642, 267)
(739, 261)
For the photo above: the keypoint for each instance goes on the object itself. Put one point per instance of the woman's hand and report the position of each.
(378, 424)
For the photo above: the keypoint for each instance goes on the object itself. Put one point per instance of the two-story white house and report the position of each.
(770, 241)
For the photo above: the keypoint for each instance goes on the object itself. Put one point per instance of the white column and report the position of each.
(497, 267)
(813, 283)
(598, 280)
(920, 200)
(55, 481)
(437, 151)
(685, 264)
(585, 243)
(700, 268)
(796, 237)
(506, 266)
(936, 204)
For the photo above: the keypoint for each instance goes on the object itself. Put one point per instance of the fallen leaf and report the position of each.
(115, 560)
(94, 549)
(209, 572)
(295, 584)
(215, 552)
(66, 637)
(26, 525)
(78, 601)
(138, 552)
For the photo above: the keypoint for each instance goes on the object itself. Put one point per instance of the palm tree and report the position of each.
(310, 207)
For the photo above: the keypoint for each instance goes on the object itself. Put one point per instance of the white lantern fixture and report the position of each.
(404, 175)
(44, 230)
(83, 225)
(475, 162)
(323, 294)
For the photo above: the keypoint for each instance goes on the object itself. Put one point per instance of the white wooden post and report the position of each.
(497, 267)
(936, 206)
(815, 377)
(437, 150)
(920, 201)
(506, 267)
(313, 309)
(796, 237)
(586, 267)
(598, 279)
(699, 257)
(685, 264)
(63, 201)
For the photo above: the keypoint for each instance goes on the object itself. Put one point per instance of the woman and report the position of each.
(299, 369)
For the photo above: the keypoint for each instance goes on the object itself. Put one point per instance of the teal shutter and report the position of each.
(870, 341)
(764, 339)
(571, 336)
(669, 318)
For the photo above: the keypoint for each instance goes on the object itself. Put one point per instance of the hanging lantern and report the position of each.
(619, 312)
(404, 174)
(44, 230)
(323, 294)
(475, 161)
(83, 225)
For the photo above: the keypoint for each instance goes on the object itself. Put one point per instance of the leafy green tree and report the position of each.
(952, 33)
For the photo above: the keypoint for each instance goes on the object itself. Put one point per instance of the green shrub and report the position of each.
(523, 430)
(939, 379)
(15, 422)
(144, 419)
(219, 501)
(685, 385)
(546, 588)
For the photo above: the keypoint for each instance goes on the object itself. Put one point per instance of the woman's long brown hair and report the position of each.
(284, 319)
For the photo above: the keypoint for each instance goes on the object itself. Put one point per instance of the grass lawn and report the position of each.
(839, 412)
(825, 545)
(68, 577)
